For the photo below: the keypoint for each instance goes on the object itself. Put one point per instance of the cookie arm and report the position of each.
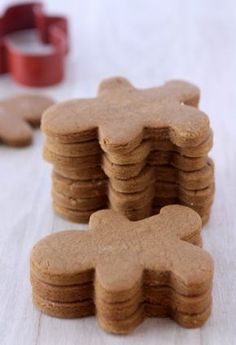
(182, 91)
(74, 120)
(64, 258)
(176, 222)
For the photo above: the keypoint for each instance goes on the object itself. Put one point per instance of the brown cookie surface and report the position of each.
(119, 258)
(74, 149)
(79, 188)
(18, 115)
(85, 161)
(76, 216)
(193, 180)
(146, 147)
(82, 204)
(136, 139)
(121, 116)
(80, 173)
(128, 171)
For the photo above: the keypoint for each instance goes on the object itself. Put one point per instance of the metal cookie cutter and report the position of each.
(29, 68)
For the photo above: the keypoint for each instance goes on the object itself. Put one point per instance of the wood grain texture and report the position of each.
(148, 42)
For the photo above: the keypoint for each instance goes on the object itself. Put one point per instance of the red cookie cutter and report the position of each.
(33, 69)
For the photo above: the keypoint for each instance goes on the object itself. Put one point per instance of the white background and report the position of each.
(148, 42)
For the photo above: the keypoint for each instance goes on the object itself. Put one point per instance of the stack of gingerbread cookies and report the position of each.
(129, 149)
(125, 271)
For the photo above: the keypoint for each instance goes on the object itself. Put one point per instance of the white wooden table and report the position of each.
(148, 42)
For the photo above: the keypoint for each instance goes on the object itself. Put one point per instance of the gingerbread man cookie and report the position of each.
(122, 115)
(125, 271)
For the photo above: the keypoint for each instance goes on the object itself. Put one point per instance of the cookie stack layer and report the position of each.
(126, 271)
(79, 185)
(158, 175)
(132, 150)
